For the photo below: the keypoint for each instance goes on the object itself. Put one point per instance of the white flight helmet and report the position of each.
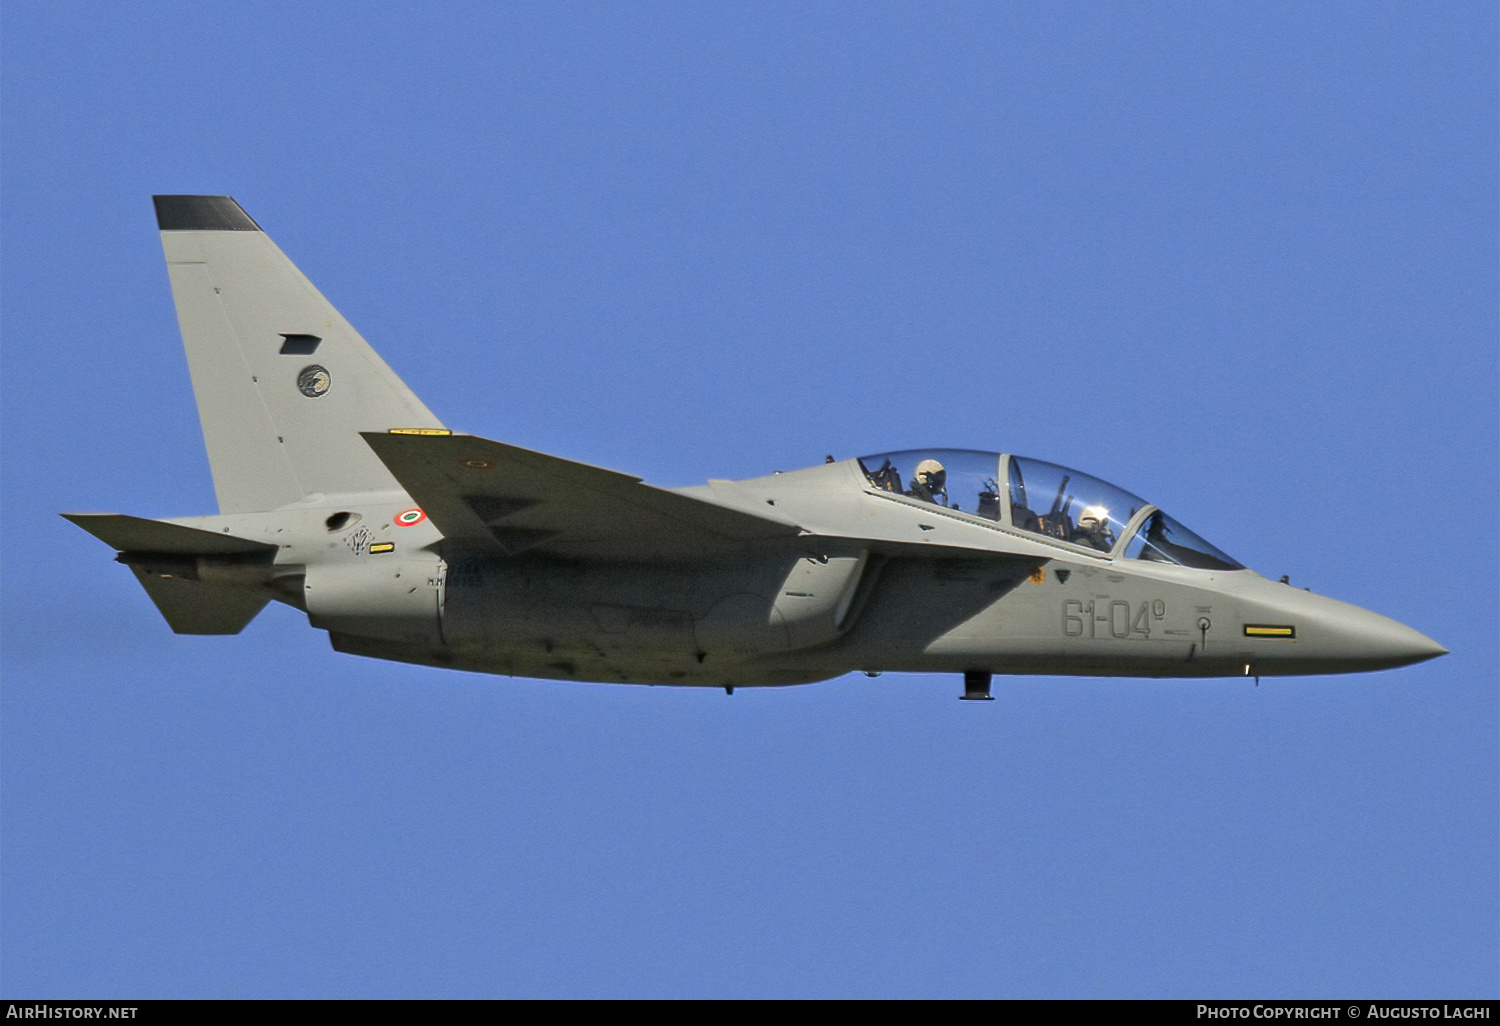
(1093, 518)
(932, 474)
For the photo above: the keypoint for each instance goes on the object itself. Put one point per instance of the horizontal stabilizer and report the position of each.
(192, 607)
(137, 534)
(505, 499)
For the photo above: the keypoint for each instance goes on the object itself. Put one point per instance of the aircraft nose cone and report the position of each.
(1382, 643)
(1336, 637)
(1330, 636)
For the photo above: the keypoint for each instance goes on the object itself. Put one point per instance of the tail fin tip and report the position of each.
(202, 214)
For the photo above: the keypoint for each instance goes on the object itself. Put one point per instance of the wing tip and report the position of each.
(202, 214)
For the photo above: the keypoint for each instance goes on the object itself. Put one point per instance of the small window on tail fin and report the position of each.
(299, 345)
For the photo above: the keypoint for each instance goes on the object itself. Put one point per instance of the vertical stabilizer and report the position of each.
(284, 384)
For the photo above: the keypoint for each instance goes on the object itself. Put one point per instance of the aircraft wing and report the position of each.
(501, 498)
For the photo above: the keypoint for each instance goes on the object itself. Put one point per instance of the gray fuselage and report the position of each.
(876, 582)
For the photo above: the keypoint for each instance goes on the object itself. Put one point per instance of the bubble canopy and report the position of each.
(1041, 498)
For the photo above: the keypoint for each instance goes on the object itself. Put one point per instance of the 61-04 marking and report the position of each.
(1103, 618)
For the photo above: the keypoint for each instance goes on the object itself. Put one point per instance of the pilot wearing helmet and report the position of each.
(1093, 529)
(931, 481)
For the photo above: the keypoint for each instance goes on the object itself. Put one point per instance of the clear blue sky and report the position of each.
(1240, 258)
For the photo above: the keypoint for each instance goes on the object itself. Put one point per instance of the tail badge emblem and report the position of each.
(314, 381)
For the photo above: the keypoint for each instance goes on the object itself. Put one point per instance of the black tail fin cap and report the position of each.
(202, 214)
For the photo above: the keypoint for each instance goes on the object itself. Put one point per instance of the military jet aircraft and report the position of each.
(342, 495)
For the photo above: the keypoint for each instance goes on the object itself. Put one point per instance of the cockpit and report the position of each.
(1043, 499)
